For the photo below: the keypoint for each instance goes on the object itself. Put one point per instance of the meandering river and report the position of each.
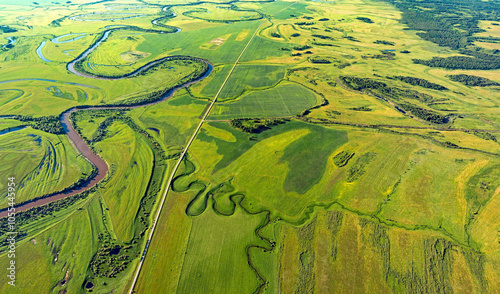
(78, 142)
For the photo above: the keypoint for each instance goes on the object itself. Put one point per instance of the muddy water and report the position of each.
(83, 148)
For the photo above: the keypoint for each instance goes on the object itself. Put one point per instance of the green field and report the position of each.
(44, 164)
(282, 100)
(353, 146)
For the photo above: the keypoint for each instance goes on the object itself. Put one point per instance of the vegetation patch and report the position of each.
(342, 158)
(425, 114)
(384, 42)
(307, 157)
(419, 82)
(364, 19)
(255, 126)
(359, 167)
(472, 81)
(280, 101)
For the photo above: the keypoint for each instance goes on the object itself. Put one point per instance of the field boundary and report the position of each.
(183, 154)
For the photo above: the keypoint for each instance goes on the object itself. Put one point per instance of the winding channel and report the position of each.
(79, 143)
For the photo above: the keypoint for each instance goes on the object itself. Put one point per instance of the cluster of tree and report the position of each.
(324, 19)
(256, 126)
(305, 23)
(325, 44)
(386, 55)
(317, 59)
(382, 89)
(6, 29)
(56, 22)
(25, 217)
(359, 167)
(302, 48)
(419, 82)
(462, 62)
(306, 68)
(470, 80)
(295, 35)
(50, 124)
(384, 42)
(323, 37)
(275, 35)
(361, 108)
(107, 264)
(351, 38)
(360, 84)
(425, 114)
(342, 158)
(364, 19)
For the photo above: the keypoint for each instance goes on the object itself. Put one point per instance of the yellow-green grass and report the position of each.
(164, 263)
(492, 31)
(244, 77)
(130, 160)
(175, 119)
(64, 248)
(41, 163)
(88, 123)
(207, 263)
(211, 12)
(189, 42)
(66, 52)
(282, 100)
(43, 95)
(339, 251)
(479, 141)
(417, 176)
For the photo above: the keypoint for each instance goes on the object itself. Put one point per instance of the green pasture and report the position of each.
(42, 163)
(174, 119)
(282, 100)
(208, 263)
(189, 42)
(221, 13)
(130, 161)
(245, 77)
(324, 202)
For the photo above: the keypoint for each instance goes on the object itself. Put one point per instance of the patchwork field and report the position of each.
(250, 146)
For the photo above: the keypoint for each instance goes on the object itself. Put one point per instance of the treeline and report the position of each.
(474, 81)
(323, 37)
(6, 29)
(304, 23)
(382, 89)
(419, 82)
(255, 126)
(481, 61)
(199, 72)
(50, 124)
(424, 114)
(364, 19)
(384, 42)
(35, 213)
(302, 48)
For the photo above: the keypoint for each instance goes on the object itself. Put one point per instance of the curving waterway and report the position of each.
(79, 143)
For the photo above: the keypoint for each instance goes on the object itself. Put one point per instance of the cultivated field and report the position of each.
(315, 146)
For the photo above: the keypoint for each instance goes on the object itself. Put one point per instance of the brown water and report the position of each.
(79, 143)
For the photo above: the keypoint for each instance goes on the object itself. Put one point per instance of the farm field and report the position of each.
(253, 146)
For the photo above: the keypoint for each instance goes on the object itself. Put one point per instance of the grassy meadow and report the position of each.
(331, 162)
